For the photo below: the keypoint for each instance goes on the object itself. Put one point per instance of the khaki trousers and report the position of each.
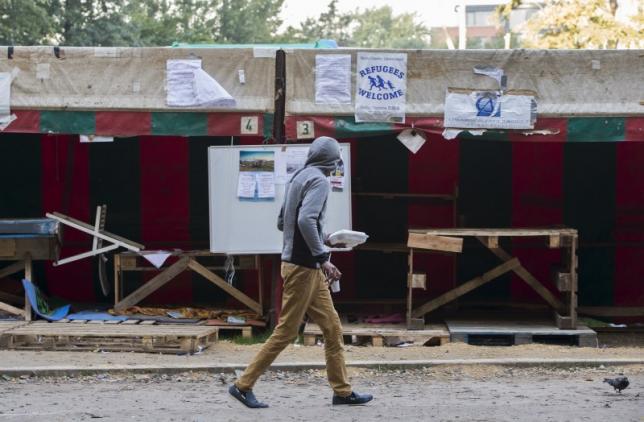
(305, 292)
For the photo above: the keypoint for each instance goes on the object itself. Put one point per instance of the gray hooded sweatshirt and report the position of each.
(303, 212)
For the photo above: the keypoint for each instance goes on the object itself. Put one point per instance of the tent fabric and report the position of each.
(566, 82)
(120, 78)
(576, 129)
(157, 193)
(135, 123)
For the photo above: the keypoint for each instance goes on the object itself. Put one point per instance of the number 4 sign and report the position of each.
(305, 129)
(249, 125)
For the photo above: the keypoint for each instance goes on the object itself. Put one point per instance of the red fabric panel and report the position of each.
(634, 129)
(229, 124)
(537, 200)
(27, 121)
(251, 140)
(629, 227)
(123, 123)
(558, 129)
(433, 170)
(65, 188)
(165, 207)
(322, 125)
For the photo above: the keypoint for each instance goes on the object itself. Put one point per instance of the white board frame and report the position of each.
(231, 220)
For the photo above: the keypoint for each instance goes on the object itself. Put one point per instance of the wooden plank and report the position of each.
(12, 269)
(564, 322)
(153, 284)
(103, 234)
(612, 311)
(28, 276)
(491, 242)
(554, 241)
(7, 247)
(530, 280)
(519, 232)
(11, 309)
(435, 243)
(563, 281)
(466, 287)
(219, 282)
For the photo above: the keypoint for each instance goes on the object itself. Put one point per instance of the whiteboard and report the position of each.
(239, 227)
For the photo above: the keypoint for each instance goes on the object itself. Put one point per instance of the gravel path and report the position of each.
(442, 394)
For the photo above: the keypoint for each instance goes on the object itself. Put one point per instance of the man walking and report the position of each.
(306, 270)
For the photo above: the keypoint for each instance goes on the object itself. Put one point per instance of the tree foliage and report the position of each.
(580, 24)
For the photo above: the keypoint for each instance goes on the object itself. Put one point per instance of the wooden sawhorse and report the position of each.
(565, 277)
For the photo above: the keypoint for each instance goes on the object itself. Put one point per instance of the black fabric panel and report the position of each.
(382, 166)
(380, 275)
(114, 180)
(20, 195)
(485, 200)
(589, 207)
(204, 292)
(20, 169)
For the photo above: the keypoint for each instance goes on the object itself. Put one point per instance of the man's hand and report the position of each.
(331, 271)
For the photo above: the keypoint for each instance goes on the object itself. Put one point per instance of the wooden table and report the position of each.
(25, 241)
(447, 240)
(183, 260)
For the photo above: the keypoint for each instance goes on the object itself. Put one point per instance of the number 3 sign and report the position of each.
(305, 129)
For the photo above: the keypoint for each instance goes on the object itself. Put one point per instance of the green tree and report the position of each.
(370, 28)
(379, 28)
(25, 22)
(578, 24)
(247, 21)
(331, 25)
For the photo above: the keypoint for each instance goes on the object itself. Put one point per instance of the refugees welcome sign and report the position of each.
(381, 87)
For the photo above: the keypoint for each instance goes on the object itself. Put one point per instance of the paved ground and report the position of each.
(629, 346)
(444, 394)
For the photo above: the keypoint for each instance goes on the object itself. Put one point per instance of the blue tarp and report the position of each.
(39, 304)
(95, 316)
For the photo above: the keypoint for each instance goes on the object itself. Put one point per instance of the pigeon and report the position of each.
(618, 383)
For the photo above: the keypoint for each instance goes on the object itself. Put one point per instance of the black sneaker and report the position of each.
(246, 397)
(354, 398)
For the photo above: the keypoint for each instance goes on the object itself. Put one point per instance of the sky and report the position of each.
(433, 13)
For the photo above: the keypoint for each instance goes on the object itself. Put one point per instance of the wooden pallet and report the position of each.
(111, 337)
(514, 332)
(6, 326)
(245, 330)
(384, 334)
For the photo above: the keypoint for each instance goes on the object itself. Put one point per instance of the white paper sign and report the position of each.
(333, 79)
(488, 110)
(246, 185)
(265, 185)
(188, 85)
(288, 162)
(411, 139)
(5, 93)
(381, 87)
(249, 125)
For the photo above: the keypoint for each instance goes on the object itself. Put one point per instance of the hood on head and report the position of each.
(324, 153)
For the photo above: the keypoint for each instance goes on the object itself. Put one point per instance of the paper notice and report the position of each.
(156, 258)
(246, 185)
(265, 185)
(412, 139)
(288, 162)
(333, 79)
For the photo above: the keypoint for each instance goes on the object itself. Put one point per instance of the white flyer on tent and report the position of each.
(333, 79)
(381, 87)
(246, 185)
(489, 110)
(188, 85)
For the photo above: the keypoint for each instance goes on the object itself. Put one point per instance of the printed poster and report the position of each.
(333, 79)
(489, 110)
(381, 87)
(256, 175)
(288, 162)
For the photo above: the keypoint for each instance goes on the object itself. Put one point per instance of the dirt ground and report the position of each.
(610, 346)
(472, 393)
